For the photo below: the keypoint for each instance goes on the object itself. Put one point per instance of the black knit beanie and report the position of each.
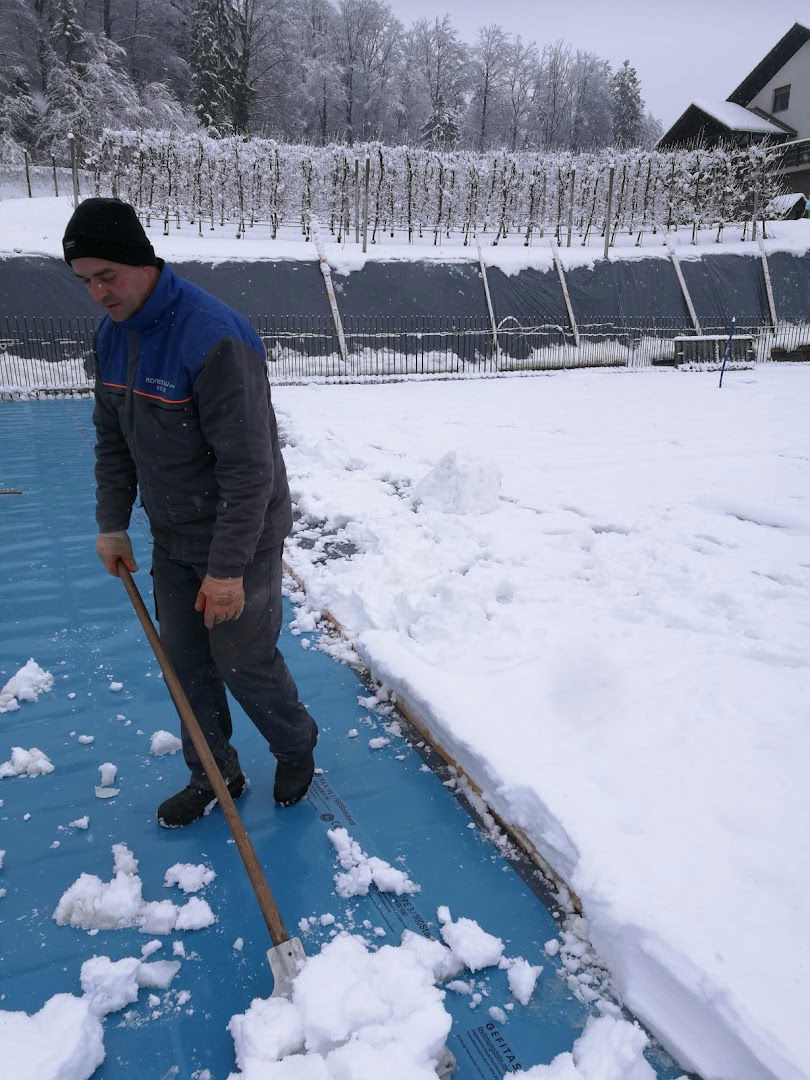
(107, 229)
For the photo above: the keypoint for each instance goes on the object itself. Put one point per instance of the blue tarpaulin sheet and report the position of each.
(58, 606)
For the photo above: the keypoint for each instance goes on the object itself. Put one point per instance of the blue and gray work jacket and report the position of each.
(183, 415)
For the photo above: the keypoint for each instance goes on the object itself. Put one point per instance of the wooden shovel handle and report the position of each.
(269, 909)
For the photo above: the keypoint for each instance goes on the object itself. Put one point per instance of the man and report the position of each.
(183, 415)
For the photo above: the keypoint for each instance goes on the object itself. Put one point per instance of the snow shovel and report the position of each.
(287, 956)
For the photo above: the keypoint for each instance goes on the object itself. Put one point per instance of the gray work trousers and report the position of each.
(240, 654)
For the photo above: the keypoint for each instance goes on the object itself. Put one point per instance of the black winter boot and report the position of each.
(294, 775)
(193, 802)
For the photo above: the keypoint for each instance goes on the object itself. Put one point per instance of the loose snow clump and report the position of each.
(609, 1048)
(26, 763)
(65, 1039)
(470, 943)
(364, 870)
(92, 904)
(26, 685)
(163, 742)
(188, 877)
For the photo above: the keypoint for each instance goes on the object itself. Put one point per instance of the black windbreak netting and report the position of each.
(388, 304)
(790, 278)
(532, 297)
(412, 288)
(723, 287)
(286, 288)
(34, 286)
(631, 292)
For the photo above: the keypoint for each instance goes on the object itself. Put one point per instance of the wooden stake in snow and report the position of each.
(326, 270)
(611, 178)
(687, 298)
(564, 286)
(571, 207)
(766, 273)
(365, 202)
(74, 168)
(482, 264)
(357, 200)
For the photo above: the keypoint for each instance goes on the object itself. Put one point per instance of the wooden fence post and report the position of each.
(566, 297)
(55, 180)
(766, 273)
(685, 291)
(496, 344)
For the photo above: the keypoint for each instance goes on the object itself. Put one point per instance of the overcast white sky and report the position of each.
(682, 49)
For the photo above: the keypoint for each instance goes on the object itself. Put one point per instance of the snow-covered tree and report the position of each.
(85, 96)
(18, 110)
(489, 67)
(591, 119)
(520, 82)
(628, 106)
(442, 64)
(553, 94)
(214, 63)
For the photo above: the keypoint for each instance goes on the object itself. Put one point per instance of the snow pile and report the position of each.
(603, 654)
(353, 1012)
(91, 904)
(163, 742)
(65, 1039)
(26, 763)
(460, 486)
(26, 685)
(609, 1048)
(361, 870)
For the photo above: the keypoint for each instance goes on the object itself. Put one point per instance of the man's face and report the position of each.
(120, 289)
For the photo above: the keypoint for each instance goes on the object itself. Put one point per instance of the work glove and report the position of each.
(112, 546)
(220, 599)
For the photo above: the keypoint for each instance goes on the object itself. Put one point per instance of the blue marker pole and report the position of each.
(727, 350)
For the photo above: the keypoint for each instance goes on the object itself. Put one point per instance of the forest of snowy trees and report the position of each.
(304, 71)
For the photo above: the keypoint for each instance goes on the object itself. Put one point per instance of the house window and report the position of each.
(781, 98)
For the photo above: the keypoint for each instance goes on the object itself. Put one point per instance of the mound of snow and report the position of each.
(460, 486)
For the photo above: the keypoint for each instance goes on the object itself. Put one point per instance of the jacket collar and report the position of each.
(160, 303)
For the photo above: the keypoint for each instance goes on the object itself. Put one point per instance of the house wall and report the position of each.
(796, 72)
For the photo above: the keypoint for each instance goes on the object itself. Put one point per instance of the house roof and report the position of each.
(736, 118)
(765, 70)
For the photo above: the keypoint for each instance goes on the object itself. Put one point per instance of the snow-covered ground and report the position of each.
(36, 226)
(595, 589)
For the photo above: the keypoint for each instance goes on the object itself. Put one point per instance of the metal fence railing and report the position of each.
(40, 356)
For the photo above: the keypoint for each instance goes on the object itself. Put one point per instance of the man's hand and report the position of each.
(220, 599)
(112, 546)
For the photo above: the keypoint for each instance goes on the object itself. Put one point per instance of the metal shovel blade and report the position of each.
(285, 961)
